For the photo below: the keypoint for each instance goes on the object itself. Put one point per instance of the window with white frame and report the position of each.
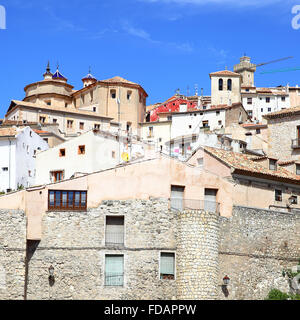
(114, 270)
(167, 266)
(114, 233)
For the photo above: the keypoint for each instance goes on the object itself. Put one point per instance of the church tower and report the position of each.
(88, 79)
(246, 69)
(48, 75)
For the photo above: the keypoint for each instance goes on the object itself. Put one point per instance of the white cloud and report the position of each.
(141, 33)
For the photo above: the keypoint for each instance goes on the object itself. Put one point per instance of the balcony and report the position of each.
(114, 279)
(296, 144)
(190, 204)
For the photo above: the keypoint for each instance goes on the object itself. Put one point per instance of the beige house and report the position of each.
(225, 87)
(76, 111)
(284, 134)
(221, 180)
(294, 93)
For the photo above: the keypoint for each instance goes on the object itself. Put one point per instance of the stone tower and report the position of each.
(197, 255)
(246, 69)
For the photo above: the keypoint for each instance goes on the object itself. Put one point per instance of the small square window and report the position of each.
(258, 131)
(268, 99)
(97, 127)
(94, 109)
(269, 109)
(81, 150)
(70, 124)
(294, 199)
(5, 169)
(81, 125)
(282, 98)
(54, 120)
(62, 152)
(298, 169)
(113, 154)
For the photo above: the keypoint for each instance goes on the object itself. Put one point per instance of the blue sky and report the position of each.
(161, 44)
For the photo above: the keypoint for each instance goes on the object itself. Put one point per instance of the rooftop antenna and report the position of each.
(196, 89)
(177, 91)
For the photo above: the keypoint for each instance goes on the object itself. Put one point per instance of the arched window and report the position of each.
(220, 84)
(229, 85)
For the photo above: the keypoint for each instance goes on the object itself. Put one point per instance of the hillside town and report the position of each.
(119, 199)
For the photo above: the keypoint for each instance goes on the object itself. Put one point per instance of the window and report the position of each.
(113, 94)
(250, 113)
(94, 109)
(113, 154)
(220, 122)
(66, 105)
(272, 164)
(298, 169)
(278, 195)
(283, 99)
(57, 176)
(268, 99)
(269, 109)
(54, 120)
(114, 234)
(220, 84)
(70, 124)
(114, 270)
(205, 124)
(177, 195)
(46, 140)
(229, 85)
(29, 173)
(42, 119)
(81, 125)
(67, 200)
(262, 109)
(249, 100)
(5, 169)
(48, 103)
(218, 113)
(200, 162)
(190, 127)
(62, 152)
(27, 149)
(129, 93)
(81, 150)
(258, 131)
(97, 126)
(169, 118)
(294, 199)
(150, 133)
(167, 266)
(247, 90)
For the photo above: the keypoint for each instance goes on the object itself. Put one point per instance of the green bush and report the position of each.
(275, 294)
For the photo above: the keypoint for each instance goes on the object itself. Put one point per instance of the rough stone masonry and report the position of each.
(252, 248)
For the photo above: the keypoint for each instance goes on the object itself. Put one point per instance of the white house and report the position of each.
(261, 101)
(18, 150)
(211, 118)
(92, 151)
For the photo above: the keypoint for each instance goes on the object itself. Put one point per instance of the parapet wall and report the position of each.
(255, 246)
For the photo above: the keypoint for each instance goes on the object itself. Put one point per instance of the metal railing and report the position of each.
(192, 204)
(295, 143)
(114, 280)
(114, 239)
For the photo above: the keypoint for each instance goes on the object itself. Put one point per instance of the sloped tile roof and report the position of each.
(225, 73)
(246, 164)
(118, 79)
(8, 132)
(283, 113)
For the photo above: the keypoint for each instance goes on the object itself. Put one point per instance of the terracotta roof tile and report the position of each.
(245, 163)
(225, 73)
(283, 113)
(8, 132)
